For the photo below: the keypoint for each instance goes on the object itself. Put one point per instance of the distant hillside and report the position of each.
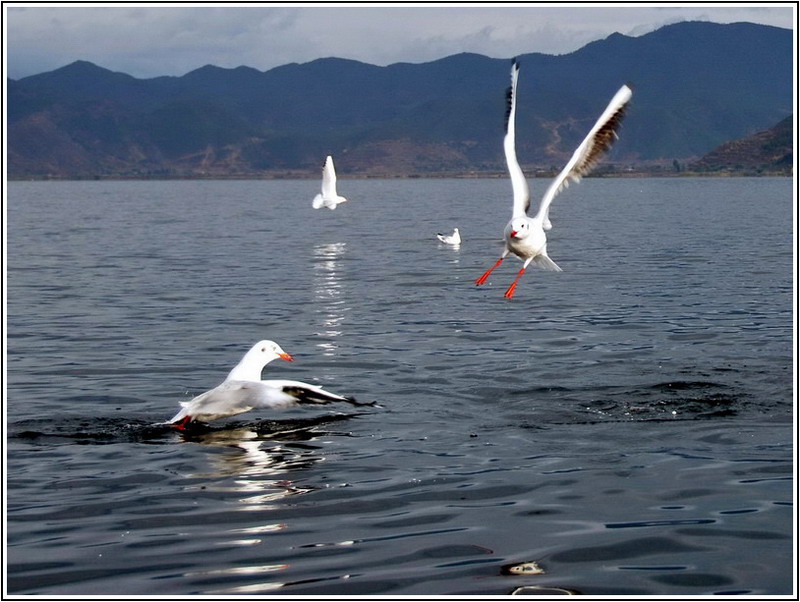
(696, 86)
(767, 152)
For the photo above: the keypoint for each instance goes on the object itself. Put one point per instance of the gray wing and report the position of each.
(233, 397)
(597, 142)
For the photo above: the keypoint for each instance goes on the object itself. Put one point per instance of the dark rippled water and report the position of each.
(624, 425)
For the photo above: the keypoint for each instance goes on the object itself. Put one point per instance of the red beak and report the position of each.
(286, 356)
(513, 234)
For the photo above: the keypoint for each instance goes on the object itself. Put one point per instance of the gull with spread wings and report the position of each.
(525, 235)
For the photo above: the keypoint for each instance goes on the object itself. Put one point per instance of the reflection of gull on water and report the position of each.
(254, 454)
(258, 469)
(328, 293)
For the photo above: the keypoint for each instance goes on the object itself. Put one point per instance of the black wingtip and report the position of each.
(510, 94)
(353, 401)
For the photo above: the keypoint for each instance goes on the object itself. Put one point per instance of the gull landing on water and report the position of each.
(525, 236)
(328, 196)
(450, 239)
(243, 390)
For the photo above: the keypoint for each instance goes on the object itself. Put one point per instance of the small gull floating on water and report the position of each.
(243, 390)
(450, 239)
(328, 196)
(525, 236)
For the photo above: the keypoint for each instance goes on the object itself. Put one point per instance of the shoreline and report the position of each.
(304, 175)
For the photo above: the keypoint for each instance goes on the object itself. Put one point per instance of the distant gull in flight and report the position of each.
(243, 390)
(525, 236)
(450, 239)
(328, 197)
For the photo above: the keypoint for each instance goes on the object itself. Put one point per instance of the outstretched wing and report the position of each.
(522, 195)
(328, 179)
(306, 393)
(586, 156)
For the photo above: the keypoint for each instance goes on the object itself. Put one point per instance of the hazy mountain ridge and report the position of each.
(696, 85)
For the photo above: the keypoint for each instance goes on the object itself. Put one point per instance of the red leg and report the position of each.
(510, 292)
(181, 426)
(483, 278)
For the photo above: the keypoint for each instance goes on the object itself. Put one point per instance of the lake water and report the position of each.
(626, 424)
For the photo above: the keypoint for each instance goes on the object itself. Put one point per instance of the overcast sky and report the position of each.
(148, 40)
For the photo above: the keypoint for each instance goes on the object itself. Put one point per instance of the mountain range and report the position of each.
(696, 86)
(769, 152)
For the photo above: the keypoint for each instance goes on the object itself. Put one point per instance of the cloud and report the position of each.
(150, 41)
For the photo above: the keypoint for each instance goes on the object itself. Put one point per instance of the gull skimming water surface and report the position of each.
(243, 390)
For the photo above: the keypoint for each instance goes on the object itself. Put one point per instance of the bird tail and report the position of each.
(544, 262)
(317, 202)
(182, 414)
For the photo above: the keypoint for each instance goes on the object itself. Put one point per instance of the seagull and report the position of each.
(243, 390)
(450, 239)
(525, 236)
(328, 197)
